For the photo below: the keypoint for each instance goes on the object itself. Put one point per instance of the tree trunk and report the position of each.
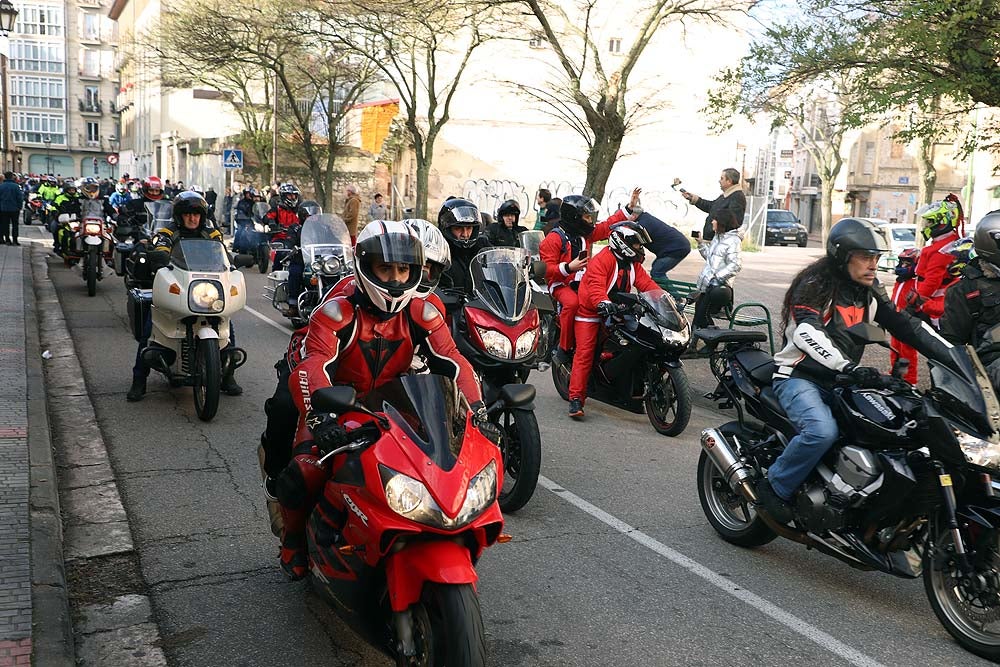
(826, 208)
(600, 161)
(423, 174)
(926, 172)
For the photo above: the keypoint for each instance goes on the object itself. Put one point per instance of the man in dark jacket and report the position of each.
(668, 245)
(504, 232)
(732, 199)
(461, 224)
(11, 200)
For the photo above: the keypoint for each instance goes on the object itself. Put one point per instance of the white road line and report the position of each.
(790, 621)
(268, 320)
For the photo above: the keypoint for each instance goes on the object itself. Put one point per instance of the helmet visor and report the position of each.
(466, 214)
(392, 249)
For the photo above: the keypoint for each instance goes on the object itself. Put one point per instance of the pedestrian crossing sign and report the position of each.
(232, 158)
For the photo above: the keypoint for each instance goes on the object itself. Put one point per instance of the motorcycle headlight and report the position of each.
(410, 498)
(495, 342)
(979, 452)
(679, 337)
(205, 296)
(92, 228)
(332, 265)
(316, 266)
(525, 343)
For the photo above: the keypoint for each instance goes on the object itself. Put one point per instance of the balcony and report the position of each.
(89, 73)
(94, 106)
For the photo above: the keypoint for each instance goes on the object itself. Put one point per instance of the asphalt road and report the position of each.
(612, 562)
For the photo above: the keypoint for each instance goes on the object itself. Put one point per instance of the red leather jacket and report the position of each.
(605, 275)
(932, 275)
(558, 249)
(347, 344)
(284, 217)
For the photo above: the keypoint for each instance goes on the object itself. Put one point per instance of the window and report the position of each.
(90, 26)
(536, 40)
(868, 166)
(90, 62)
(91, 99)
(615, 45)
(40, 20)
(37, 57)
(93, 134)
(34, 127)
(37, 92)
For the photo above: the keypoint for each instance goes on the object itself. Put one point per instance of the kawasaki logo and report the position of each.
(884, 411)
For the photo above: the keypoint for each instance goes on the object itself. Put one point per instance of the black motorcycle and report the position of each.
(637, 364)
(906, 490)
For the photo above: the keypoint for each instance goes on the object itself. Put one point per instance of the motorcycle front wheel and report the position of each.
(207, 378)
(521, 451)
(448, 628)
(730, 514)
(263, 258)
(90, 270)
(560, 378)
(968, 610)
(668, 400)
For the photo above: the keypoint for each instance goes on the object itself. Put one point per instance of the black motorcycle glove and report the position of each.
(864, 376)
(607, 309)
(327, 433)
(481, 420)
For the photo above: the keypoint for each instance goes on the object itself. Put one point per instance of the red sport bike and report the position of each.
(408, 510)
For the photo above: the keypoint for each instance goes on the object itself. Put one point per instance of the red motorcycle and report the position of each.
(408, 510)
(497, 329)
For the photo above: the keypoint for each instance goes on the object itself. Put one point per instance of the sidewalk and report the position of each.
(34, 612)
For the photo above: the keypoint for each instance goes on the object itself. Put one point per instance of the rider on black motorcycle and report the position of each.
(505, 231)
(461, 224)
(824, 299)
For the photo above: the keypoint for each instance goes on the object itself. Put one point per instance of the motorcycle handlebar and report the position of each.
(883, 382)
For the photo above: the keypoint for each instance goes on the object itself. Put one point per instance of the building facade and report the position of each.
(62, 85)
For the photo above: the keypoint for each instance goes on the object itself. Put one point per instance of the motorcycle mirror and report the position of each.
(538, 268)
(515, 395)
(867, 333)
(333, 399)
(243, 261)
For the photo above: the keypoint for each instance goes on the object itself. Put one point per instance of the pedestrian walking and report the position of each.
(11, 201)
(352, 210)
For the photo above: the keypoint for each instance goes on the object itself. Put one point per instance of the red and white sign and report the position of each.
(112, 159)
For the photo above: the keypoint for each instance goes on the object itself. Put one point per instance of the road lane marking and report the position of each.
(727, 586)
(262, 316)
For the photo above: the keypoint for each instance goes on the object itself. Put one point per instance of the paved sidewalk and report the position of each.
(15, 555)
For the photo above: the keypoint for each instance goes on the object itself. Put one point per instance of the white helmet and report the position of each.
(437, 255)
(381, 242)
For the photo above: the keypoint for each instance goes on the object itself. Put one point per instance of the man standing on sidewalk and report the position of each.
(11, 200)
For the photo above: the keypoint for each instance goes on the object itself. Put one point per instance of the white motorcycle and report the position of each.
(192, 300)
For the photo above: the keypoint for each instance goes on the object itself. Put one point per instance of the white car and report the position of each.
(900, 237)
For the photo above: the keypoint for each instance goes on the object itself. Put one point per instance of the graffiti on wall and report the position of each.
(489, 194)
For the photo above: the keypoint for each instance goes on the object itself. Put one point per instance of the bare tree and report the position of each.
(421, 48)
(592, 95)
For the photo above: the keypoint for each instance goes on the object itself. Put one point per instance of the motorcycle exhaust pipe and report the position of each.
(737, 473)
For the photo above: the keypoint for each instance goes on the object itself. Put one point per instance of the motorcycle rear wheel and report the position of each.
(90, 269)
(448, 628)
(560, 378)
(668, 403)
(728, 512)
(521, 450)
(207, 378)
(965, 615)
(263, 258)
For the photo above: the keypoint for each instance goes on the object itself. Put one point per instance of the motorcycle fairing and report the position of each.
(440, 561)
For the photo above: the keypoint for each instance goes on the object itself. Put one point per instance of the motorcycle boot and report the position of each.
(293, 559)
(561, 356)
(137, 390)
(576, 408)
(777, 507)
(229, 385)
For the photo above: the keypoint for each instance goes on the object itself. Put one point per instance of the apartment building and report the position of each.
(62, 84)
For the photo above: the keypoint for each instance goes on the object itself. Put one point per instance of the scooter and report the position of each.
(192, 301)
(496, 329)
(407, 512)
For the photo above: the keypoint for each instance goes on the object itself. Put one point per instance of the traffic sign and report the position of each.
(112, 159)
(232, 158)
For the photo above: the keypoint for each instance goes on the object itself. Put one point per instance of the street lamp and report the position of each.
(47, 140)
(113, 142)
(8, 14)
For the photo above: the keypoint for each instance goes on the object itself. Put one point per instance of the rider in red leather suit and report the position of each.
(362, 340)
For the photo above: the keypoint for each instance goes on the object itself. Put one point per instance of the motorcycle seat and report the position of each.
(758, 364)
(718, 336)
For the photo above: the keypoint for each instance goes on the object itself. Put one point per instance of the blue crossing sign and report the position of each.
(232, 158)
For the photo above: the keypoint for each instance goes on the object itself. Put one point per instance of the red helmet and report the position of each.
(152, 188)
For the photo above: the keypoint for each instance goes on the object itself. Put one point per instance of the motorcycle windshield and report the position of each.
(664, 309)
(426, 408)
(200, 255)
(259, 211)
(500, 280)
(159, 214)
(531, 242)
(325, 239)
(92, 208)
(962, 387)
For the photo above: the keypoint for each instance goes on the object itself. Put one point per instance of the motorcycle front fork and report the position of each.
(951, 520)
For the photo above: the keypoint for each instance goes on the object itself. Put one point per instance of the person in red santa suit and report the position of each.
(902, 293)
(617, 268)
(363, 340)
(566, 252)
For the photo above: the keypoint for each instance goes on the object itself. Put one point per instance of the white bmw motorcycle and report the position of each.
(193, 299)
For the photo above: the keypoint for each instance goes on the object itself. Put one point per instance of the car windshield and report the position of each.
(199, 255)
(426, 408)
(325, 238)
(159, 214)
(904, 234)
(500, 280)
(781, 217)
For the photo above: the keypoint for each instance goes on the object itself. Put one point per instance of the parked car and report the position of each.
(784, 228)
(900, 237)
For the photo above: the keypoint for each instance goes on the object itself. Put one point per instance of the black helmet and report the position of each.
(987, 238)
(627, 240)
(578, 215)
(460, 213)
(190, 202)
(850, 234)
(289, 196)
(509, 207)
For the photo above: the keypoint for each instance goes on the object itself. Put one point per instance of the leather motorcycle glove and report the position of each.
(481, 420)
(864, 376)
(327, 433)
(607, 309)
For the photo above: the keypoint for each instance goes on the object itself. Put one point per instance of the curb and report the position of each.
(113, 622)
(52, 628)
